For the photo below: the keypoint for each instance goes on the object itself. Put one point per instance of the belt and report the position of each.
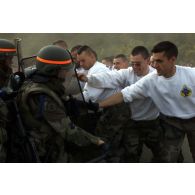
(176, 118)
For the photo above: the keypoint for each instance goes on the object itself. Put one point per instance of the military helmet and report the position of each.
(50, 59)
(7, 48)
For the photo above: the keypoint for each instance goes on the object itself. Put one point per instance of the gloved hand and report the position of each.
(93, 106)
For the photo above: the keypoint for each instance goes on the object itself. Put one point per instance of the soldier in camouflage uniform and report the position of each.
(7, 51)
(42, 110)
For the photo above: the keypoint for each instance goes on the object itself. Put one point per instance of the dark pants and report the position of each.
(175, 130)
(138, 133)
(109, 129)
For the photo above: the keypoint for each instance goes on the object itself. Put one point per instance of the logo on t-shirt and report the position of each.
(186, 91)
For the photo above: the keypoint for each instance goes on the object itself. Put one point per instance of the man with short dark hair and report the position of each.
(108, 61)
(171, 88)
(120, 62)
(87, 59)
(74, 52)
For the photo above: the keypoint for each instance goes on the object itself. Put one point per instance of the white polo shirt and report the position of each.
(95, 94)
(143, 109)
(174, 96)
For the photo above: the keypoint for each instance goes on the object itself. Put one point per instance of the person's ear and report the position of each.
(148, 60)
(173, 59)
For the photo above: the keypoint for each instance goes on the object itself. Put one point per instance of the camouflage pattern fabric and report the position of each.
(109, 128)
(4, 82)
(136, 134)
(47, 123)
(175, 130)
(107, 125)
(3, 133)
(4, 77)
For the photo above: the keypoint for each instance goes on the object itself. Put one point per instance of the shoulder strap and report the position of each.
(29, 89)
(37, 88)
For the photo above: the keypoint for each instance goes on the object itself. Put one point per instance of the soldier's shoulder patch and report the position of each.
(186, 91)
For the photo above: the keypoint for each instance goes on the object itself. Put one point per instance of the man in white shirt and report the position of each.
(143, 127)
(172, 90)
(120, 61)
(108, 61)
(87, 59)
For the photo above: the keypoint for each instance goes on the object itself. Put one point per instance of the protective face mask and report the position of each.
(68, 77)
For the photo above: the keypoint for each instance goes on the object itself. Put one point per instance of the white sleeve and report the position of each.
(139, 90)
(91, 93)
(111, 80)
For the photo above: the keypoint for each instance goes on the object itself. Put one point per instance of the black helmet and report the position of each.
(7, 48)
(51, 59)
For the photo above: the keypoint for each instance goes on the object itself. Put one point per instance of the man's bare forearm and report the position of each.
(112, 100)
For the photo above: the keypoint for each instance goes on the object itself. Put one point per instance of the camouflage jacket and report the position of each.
(3, 133)
(4, 77)
(43, 114)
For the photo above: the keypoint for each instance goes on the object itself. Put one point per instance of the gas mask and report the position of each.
(68, 75)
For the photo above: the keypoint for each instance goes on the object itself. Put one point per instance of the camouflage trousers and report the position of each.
(138, 133)
(109, 128)
(175, 130)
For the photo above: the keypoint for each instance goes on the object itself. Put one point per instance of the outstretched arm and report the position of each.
(139, 90)
(112, 100)
(111, 79)
(55, 116)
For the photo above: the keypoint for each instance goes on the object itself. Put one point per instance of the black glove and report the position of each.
(16, 80)
(93, 106)
(72, 107)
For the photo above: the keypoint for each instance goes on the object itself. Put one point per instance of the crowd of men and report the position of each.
(73, 108)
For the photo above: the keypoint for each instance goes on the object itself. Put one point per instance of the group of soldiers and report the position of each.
(115, 114)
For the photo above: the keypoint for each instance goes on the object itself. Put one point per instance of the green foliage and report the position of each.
(109, 44)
